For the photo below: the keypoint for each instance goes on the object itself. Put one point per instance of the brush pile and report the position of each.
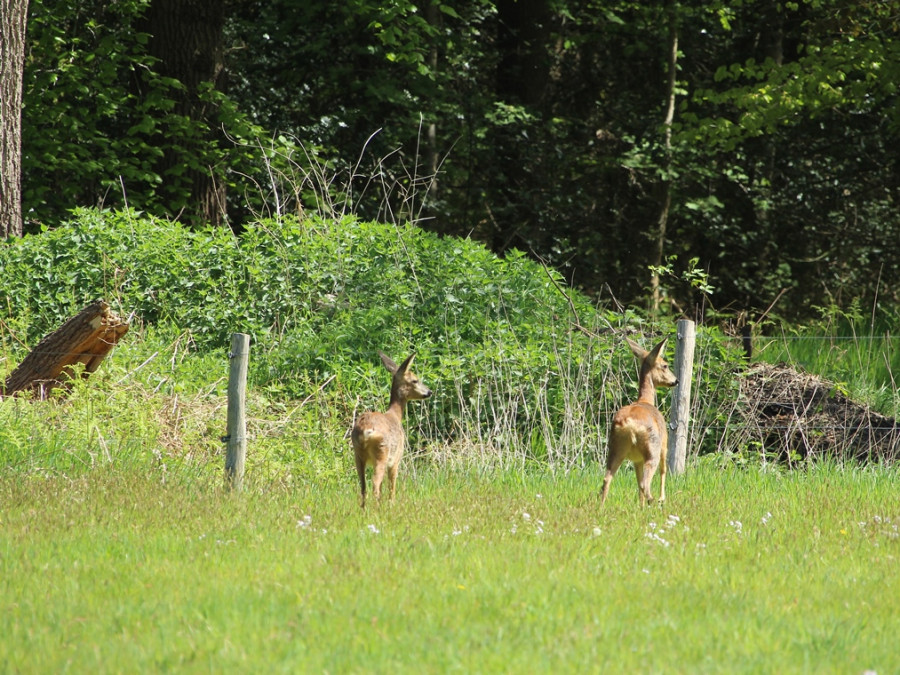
(795, 415)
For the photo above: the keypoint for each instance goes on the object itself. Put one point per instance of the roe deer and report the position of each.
(378, 438)
(638, 431)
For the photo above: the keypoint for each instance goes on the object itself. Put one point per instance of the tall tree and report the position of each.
(522, 77)
(13, 19)
(671, 14)
(186, 37)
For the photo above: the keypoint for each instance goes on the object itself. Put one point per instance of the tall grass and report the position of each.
(858, 350)
(865, 367)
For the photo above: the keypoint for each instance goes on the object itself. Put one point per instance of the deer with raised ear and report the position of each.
(378, 438)
(638, 432)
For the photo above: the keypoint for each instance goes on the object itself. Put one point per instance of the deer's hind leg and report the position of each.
(392, 478)
(643, 473)
(614, 458)
(361, 473)
(662, 480)
(378, 477)
(645, 480)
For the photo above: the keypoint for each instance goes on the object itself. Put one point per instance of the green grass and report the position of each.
(116, 570)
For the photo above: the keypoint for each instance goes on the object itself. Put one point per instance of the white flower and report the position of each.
(655, 537)
(597, 532)
(305, 521)
(526, 516)
(373, 529)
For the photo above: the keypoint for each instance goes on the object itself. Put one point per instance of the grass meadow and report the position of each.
(742, 571)
(121, 552)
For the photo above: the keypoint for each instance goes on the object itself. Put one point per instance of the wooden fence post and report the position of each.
(236, 434)
(681, 397)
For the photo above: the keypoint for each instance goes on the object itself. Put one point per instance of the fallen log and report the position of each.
(86, 338)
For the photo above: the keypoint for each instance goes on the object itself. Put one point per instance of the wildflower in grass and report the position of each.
(736, 524)
(597, 531)
(305, 521)
(672, 520)
(526, 516)
(373, 529)
(766, 518)
(655, 537)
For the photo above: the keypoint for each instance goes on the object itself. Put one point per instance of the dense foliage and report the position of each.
(542, 123)
(520, 367)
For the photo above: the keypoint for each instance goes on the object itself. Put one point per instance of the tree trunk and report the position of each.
(433, 17)
(521, 80)
(666, 202)
(187, 38)
(13, 19)
(86, 338)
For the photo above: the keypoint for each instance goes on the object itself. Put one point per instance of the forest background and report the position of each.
(754, 141)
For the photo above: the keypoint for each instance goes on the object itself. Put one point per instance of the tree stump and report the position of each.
(86, 338)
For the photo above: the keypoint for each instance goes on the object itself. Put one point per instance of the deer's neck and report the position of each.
(647, 391)
(397, 406)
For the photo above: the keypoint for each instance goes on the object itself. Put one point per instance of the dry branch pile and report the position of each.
(793, 414)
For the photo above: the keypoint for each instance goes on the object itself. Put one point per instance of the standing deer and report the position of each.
(638, 431)
(378, 438)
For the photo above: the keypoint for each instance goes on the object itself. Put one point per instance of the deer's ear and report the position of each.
(658, 348)
(388, 362)
(636, 349)
(405, 364)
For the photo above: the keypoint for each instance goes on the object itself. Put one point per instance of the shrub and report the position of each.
(496, 338)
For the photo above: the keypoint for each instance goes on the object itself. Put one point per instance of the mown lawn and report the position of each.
(742, 571)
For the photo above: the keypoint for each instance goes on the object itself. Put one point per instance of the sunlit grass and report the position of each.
(742, 571)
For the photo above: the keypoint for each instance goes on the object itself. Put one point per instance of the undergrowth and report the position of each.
(523, 369)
